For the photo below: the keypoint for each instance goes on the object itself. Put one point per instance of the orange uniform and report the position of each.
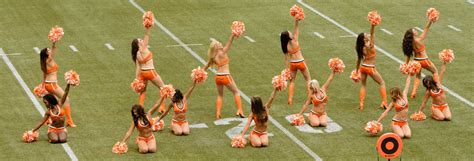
(147, 74)
(436, 94)
(317, 102)
(425, 62)
(56, 117)
(51, 86)
(296, 64)
(141, 126)
(178, 110)
(255, 132)
(367, 69)
(399, 108)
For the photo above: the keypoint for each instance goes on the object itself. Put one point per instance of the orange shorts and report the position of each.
(317, 114)
(439, 107)
(147, 74)
(180, 123)
(399, 123)
(145, 139)
(56, 130)
(51, 86)
(425, 63)
(294, 66)
(225, 79)
(369, 70)
(256, 133)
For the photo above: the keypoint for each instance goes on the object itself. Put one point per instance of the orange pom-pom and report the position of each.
(414, 67)
(374, 18)
(238, 27)
(40, 91)
(336, 64)
(279, 82)
(432, 14)
(55, 34)
(238, 142)
(148, 19)
(297, 120)
(120, 148)
(297, 12)
(373, 127)
(30, 136)
(138, 85)
(355, 76)
(446, 55)
(286, 74)
(198, 75)
(418, 116)
(157, 125)
(72, 78)
(404, 68)
(167, 91)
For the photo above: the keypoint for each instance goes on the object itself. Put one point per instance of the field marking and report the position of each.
(198, 126)
(249, 38)
(386, 31)
(454, 28)
(14, 54)
(236, 130)
(109, 46)
(32, 98)
(184, 44)
(37, 50)
(459, 97)
(73, 48)
(319, 35)
(330, 128)
(212, 39)
(195, 55)
(470, 1)
(419, 29)
(348, 36)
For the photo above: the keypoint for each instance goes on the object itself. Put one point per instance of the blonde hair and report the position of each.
(314, 85)
(395, 93)
(211, 53)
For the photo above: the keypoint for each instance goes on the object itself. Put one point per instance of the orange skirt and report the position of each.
(56, 130)
(145, 139)
(317, 114)
(51, 86)
(369, 70)
(425, 62)
(294, 66)
(224, 79)
(439, 107)
(399, 123)
(147, 74)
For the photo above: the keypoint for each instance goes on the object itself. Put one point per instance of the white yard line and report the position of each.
(109, 46)
(14, 54)
(386, 31)
(470, 1)
(184, 44)
(459, 97)
(319, 35)
(37, 50)
(249, 38)
(454, 28)
(73, 48)
(32, 98)
(419, 29)
(195, 55)
(348, 36)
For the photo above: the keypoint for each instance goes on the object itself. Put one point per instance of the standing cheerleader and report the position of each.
(400, 103)
(50, 69)
(259, 114)
(218, 56)
(143, 59)
(294, 59)
(366, 53)
(412, 43)
(57, 132)
(434, 89)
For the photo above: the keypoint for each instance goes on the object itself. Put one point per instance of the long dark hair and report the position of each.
(284, 39)
(43, 57)
(135, 49)
(141, 114)
(407, 43)
(258, 109)
(51, 99)
(178, 96)
(360, 43)
(429, 83)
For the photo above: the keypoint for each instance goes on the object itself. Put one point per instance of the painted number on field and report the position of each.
(237, 130)
(332, 126)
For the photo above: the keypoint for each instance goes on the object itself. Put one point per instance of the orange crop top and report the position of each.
(184, 109)
(419, 50)
(223, 62)
(141, 126)
(147, 58)
(435, 94)
(58, 116)
(399, 107)
(52, 69)
(317, 101)
(296, 50)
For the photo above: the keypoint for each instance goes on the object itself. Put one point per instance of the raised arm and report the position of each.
(146, 38)
(190, 90)
(372, 36)
(249, 121)
(268, 105)
(128, 133)
(296, 30)
(328, 82)
(407, 87)
(45, 118)
(155, 106)
(441, 73)
(229, 43)
(385, 112)
(425, 99)
(425, 31)
(53, 50)
(166, 112)
(64, 97)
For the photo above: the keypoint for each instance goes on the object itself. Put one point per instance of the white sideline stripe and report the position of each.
(419, 29)
(184, 45)
(249, 38)
(348, 36)
(454, 28)
(73, 48)
(470, 1)
(190, 51)
(109, 46)
(37, 50)
(386, 31)
(459, 97)
(319, 35)
(13, 54)
(32, 98)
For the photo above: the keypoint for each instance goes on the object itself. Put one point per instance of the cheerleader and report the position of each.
(294, 60)
(179, 124)
(218, 57)
(413, 43)
(400, 103)
(366, 53)
(50, 79)
(259, 114)
(57, 132)
(434, 89)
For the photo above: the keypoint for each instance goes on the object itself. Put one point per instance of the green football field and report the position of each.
(101, 104)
